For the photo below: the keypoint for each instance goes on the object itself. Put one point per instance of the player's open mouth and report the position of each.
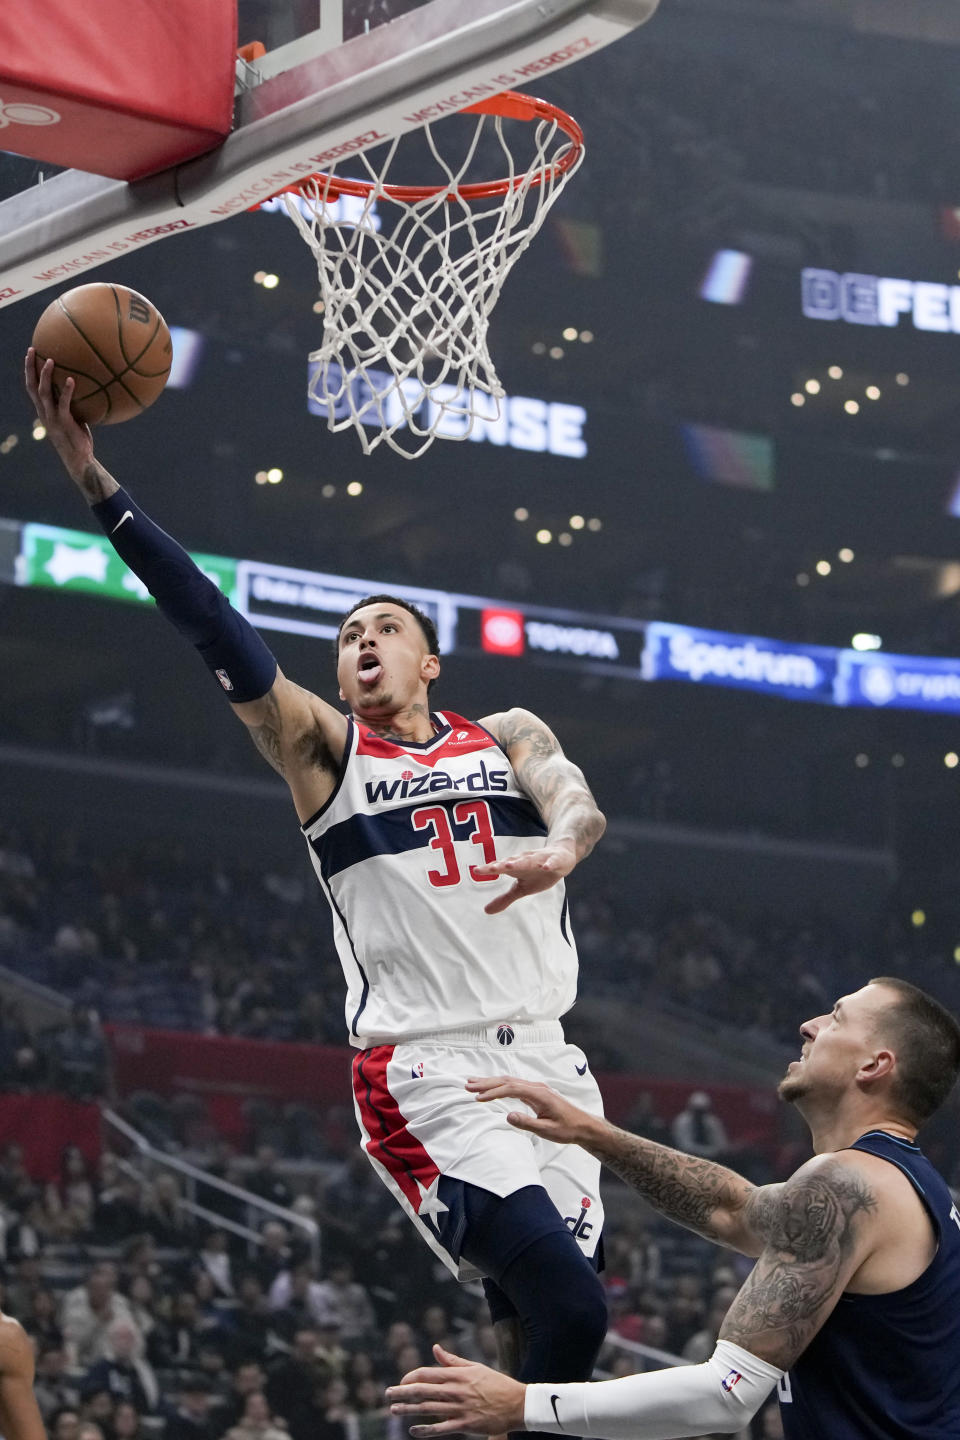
(369, 670)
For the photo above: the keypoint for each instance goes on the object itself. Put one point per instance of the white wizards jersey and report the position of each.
(396, 848)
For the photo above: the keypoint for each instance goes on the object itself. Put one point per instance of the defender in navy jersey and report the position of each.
(853, 1308)
(425, 832)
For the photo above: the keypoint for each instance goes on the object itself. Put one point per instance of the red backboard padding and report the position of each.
(118, 87)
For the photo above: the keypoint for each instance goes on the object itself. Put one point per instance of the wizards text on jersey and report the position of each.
(400, 850)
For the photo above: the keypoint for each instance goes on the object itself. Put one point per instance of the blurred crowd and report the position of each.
(151, 936)
(693, 129)
(146, 1322)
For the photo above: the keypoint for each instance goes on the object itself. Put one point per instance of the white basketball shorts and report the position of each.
(420, 1128)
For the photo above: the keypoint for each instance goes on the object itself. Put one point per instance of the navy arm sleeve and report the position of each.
(227, 642)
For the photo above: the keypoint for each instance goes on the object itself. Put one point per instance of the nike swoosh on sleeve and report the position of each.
(127, 515)
(580, 1070)
(553, 1402)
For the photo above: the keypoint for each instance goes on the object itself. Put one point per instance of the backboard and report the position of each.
(339, 76)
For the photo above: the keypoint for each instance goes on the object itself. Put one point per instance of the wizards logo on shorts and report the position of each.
(504, 1034)
(730, 1379)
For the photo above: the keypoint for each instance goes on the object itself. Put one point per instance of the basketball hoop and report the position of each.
(407, 289)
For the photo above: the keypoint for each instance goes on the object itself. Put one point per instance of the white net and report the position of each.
(408, 283)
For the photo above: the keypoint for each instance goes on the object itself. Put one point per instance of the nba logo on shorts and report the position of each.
(505, 1034)
(416, 1071)
(224, 679)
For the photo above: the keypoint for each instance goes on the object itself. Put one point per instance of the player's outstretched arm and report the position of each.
(819, 1231)
(698, 1194)
(19, 1413)
(558, 789)
(297, 733)
(719, 1397)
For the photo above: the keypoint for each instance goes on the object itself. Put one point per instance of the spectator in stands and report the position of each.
(643, 1119)
(27, 1279)
(370, 1407)
(140, 1259)
(171, 1226)
(356, 1204)
(97, 1409)
(399, 1334)
(78, 1056)
(481, 1343)
(293, 1382)
(406, 1358)
(435, 1327)
(625, 1320)
(126, 1421)
(64, 1424)
(40, 1320)
(267, 1181)
(297, 1299)
(697, 1130)
(76, 1192)
(190, 1419)
(248, 1378)
(330, 1352)
(275, 1254)
(346, 1302)
(247, 1325)
(53, 1387)
(703, 1342)
(337, 1409)
(141, 1299)
(117, 1211)
(123, 1371)
(257, 1422)
(214, 1259)
(89, 1310)
(16, 1187)
(176, 1341)
(27, 1070)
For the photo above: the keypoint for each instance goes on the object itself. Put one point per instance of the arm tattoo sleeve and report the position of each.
(811, 1235)
(555, 785)
(695, 1193)
(309, 748)
(266, 736)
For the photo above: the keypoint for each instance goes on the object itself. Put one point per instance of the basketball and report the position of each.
(114, 343)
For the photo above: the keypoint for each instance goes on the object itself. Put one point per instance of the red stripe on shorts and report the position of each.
(390, 1141)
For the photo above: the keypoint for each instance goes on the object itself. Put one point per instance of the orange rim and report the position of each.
(510, 105)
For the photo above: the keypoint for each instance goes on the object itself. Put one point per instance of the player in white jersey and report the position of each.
(425, 831)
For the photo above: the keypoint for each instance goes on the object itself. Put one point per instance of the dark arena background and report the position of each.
(715, 544)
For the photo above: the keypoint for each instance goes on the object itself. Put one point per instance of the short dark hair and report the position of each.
(926, 1039)
(427, 626)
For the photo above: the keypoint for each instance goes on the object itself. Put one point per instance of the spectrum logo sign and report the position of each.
(501, 632)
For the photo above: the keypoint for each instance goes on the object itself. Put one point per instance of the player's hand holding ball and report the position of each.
(72, 441)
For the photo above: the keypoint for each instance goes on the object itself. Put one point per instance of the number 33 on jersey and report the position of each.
(396, 850)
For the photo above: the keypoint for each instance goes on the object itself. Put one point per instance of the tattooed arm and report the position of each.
(558, 789)
(704, 1197)
(818, 1232)
(301, 737)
